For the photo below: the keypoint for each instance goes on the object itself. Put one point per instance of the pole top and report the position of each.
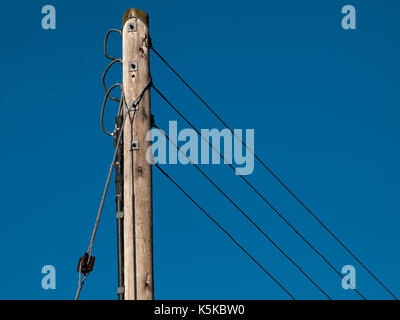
(135, 13)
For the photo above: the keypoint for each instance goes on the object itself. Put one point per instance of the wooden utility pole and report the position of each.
(138, 211)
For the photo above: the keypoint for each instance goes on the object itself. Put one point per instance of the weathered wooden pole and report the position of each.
(138, 212)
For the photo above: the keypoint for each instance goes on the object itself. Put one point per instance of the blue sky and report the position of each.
(324, 105)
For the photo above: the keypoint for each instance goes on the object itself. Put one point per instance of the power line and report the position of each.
(244, 214)
(256, 191)
(81, 282)
(274, 175)
(226, 232)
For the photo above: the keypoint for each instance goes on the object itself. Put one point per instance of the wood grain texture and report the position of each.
(138, 212)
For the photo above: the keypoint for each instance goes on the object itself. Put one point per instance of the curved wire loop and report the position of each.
(103, 107)
(105, 43)
(104, 78)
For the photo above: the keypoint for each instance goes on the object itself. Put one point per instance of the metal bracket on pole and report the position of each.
(133, 66)
(134, 106)
(121, 290)
(132, 26)
(120, 215)
(135, 145)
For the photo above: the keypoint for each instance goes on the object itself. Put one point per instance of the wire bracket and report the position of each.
(134, 105)
(134, 145)
(120, 215)
(133, 66)
(132, 27)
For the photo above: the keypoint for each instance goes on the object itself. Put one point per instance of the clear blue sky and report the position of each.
(324, 104)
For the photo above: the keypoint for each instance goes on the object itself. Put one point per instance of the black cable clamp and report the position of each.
(86, 264)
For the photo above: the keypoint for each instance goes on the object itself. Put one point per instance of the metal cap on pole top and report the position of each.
(135, 13)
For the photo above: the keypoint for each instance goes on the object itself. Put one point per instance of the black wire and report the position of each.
(244, 214)
(81, 282)
(103, 78)
(105, 43)
(114, 60)
(255, 190)
(104, 105)
(276, 177)
(226, 232)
